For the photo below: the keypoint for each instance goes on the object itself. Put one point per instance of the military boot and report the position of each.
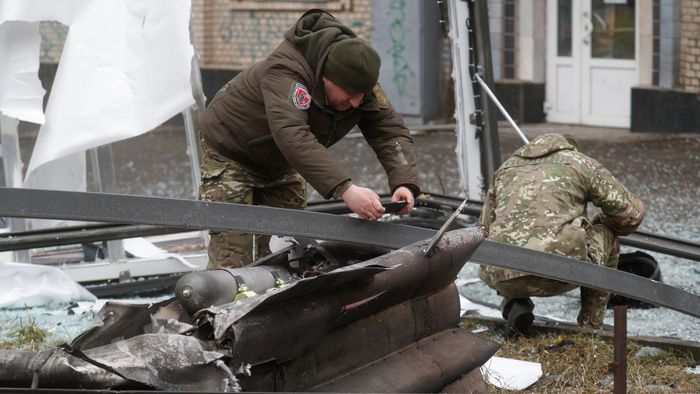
(593, 303)
(519, 316)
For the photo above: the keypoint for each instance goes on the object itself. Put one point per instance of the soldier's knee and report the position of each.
(229, 249)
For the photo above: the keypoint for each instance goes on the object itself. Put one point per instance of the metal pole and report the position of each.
(191, 113)
(467, 106)
(192, 151)
(481, 37)
(189, 116)
(500, 107)
(12, 168)
(106, 182)
(619, 365)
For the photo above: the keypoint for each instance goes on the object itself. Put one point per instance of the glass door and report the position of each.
(608, 62)
(594, 62)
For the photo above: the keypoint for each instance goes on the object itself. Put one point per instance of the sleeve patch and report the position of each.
(301, 97)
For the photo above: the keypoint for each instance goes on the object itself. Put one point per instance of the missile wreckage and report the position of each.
(355, 319)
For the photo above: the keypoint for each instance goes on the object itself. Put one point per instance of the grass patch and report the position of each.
(27, 335)
(473, 325)
(579, 363)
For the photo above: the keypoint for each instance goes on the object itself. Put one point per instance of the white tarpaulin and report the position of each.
(28, 285)
(21, 93)
(510, 374)
(124, 70)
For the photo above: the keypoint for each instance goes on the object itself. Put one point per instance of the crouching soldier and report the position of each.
(538, 201)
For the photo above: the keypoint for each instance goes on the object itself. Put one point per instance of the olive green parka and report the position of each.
(263, 120)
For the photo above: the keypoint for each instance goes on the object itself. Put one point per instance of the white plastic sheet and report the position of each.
(466, 305)
(511, 374)
(21, 93)
(502, 372)
(124, 70)
(27, 285)
(141, 247)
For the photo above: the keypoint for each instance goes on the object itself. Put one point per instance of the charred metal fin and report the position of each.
(436, 238)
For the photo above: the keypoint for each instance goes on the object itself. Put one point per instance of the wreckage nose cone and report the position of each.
(462, 243)
(444, 262)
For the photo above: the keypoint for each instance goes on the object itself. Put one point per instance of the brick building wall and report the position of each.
(232, 35)
(689, 77)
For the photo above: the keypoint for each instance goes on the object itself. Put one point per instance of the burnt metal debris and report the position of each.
(386, 323)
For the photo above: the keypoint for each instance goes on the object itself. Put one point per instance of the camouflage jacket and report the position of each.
(539, 197)
(274, 116)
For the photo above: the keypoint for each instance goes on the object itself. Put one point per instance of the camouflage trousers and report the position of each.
(603, 249)
(224, 180)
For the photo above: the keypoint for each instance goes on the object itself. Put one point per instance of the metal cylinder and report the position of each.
(199, 290)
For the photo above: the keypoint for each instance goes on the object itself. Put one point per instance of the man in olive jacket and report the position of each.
(538, 200)
(267, 131)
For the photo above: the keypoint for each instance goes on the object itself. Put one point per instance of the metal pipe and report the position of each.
(619, 365)
(106, 182)
(12, 169)
(76, 236)
(500, 107)
(192, 151)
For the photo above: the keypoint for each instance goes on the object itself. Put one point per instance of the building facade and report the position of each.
(230, 35)
(617, 63)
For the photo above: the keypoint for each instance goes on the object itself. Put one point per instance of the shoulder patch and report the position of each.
(301, 97)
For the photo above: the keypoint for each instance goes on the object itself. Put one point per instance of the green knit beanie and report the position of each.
(353, 65)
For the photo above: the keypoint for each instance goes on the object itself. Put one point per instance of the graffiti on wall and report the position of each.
(251, 36)
(401, 71)
(244, 35)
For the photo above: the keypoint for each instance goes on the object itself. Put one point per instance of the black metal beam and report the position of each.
(30, 240)
(663, 244)
(191, 215)
(640, 239)
(198, 215)
(109, 231)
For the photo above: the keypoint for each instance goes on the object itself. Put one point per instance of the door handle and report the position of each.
(587, 28)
